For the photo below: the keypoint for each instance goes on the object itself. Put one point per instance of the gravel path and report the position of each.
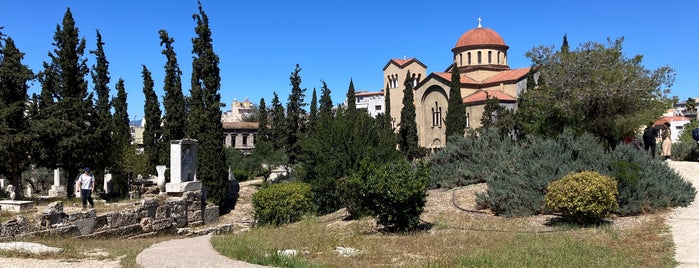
(684, 222)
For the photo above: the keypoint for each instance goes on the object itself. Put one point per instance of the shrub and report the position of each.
(396, 194)
(282, 203)
(241, 175)
(583, 197)
(685, 151)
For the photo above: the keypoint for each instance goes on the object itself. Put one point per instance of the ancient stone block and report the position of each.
(53, 208)
(123, 231)
(162, 224)
(193, 216)
(85, 226)
(146, 225)
(210, 214)
(162, 212)
(119, 219)
(194, 206)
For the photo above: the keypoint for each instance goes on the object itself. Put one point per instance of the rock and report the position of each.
(347, 252)
(54, 208)
(34, 248)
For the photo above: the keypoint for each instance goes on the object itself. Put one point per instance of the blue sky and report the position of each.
(260, 42)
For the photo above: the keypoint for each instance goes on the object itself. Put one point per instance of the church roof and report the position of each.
(403, 63)
(478, 37)
(501, 77)
(240, 125)
(483, 95)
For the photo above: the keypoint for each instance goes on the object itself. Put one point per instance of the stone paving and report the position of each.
(684, 222)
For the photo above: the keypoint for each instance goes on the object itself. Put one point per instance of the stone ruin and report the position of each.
(183, 167)
(171, 215)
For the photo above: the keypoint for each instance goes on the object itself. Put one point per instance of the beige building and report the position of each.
(480, 55)
(239, 110)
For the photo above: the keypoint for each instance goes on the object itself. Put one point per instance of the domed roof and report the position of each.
(478, 37)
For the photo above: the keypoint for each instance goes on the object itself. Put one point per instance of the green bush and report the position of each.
(241, 175)
(685, 151)
(583, 197)
(396, 194)
(282, 203)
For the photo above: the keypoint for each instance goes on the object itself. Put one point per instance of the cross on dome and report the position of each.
(479, 22)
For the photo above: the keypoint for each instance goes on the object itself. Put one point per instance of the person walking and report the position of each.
(666, 143)
(86, 183)
(649, 136)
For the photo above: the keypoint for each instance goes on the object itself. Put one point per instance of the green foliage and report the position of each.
(351, 99)
(153, 145)
(682, 151)
(336, 147)
(282, 203)
(686, 134)
(295, 121)
(594, 89)
(262, 123)
(326, 102)
(407, 133)
(456, 113)
(517, 173)
(396, 194)
(277, 131)
(583, 197)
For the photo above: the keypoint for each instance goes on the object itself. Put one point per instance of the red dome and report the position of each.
(479, 37)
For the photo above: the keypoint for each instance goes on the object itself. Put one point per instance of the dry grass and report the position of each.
(458, 237)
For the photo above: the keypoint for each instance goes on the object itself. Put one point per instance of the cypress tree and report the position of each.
(262, 130)
(174, 122)
(294, 116)
(206, 101)
(152, 134)
(100, 79)
(122, 138)
(66, 125)
(326, 102)
(351, 99)
(313, 110)
(456, 112)
(15, 137)
(407, 133)
(277, 132)
(564, 46)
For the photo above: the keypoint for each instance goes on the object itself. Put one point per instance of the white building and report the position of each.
(372, 102)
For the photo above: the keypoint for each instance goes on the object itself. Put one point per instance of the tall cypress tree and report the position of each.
(15, 137)
(294, 116)
(277, 131)
(456, 112)
(122, 138)
(351, 99)
(206, 83)
(174, 122)
(326, 102)
(100, 79)
(152, 134)
(313, 111)
(387, 103)
(262, 130)
(407, 134)
(564, 46)
(69, 121)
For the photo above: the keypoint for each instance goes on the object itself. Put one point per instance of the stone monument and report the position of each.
(56, 189)
(161, 177)
(107, 185)
(183, 167)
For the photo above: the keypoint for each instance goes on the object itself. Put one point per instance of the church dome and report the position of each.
(480, 37)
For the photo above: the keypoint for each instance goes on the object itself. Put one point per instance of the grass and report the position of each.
(463, 242)
(107, 249)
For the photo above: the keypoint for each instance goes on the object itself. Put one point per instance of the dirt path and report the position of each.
(684, 222)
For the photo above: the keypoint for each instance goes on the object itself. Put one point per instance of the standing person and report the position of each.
(649, 135)
(86, 183)
(666, 143)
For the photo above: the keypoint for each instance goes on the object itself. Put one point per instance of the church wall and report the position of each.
(462, 58)
(397, 91)
(475, 114)
(431, 115)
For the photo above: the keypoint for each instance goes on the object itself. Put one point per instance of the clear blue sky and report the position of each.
(259, 42)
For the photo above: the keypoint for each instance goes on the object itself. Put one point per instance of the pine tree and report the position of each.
(100, 79)
(15, 137)
(262, 130)
(152, 134)
(174, 122)
(326, 102)
(295, 116)
(206, 101)
(407, 133)
(456, 112)
(351, 99)
(277, 131)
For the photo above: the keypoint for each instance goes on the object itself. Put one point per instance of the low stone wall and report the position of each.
(173, 215)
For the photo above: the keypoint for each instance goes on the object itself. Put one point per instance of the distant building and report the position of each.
(480, 54)
(682, 110)
(136, 128)
(677, 124)
(240, 135)
(239, 111)
(371, 102)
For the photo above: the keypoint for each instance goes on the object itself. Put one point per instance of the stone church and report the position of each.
(481, 56)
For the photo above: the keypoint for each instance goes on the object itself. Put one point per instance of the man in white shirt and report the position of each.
(86, 183)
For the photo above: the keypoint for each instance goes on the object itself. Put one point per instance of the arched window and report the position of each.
(479, 58)
(461, 58)
(498, 57)
(468, 55)
(490, 57)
